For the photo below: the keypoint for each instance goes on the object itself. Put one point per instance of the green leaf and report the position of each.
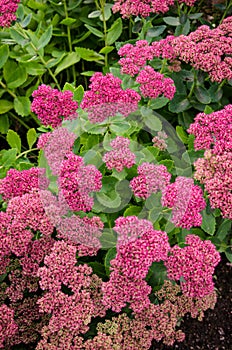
(156, 275)
(5, 106)
(4, 123)
(88, 55)
(132, 210)
(98, 268)
(22, 105)
(110, 200)
(172, 21)
(16, 77)
(45, 38)
(19, 38)
(120, 128)
(70, 59)
(156, 31)
(150, 119)
(224, 229)
(68, 21)
(26, 20)
(228, 253)
(168, 163)
(110, 255)
(208, 223)
(79, 93)
(14, 140)
(9, 157)
(94, 14)
(107, 12)
(183, 136)
(34, 68)
(88, 73)
(159, 102)
(4, 53)
(107, 49)
(108, 239)
(114, 32)
(202, 95)
(94, 31)
(179, 104)
(31, 137)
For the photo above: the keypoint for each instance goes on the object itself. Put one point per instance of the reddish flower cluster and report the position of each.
(52, 105)
(213, 132)
(7, 324)
(208, 49)
(17, 183)
(153, 84)
(121, 155)
(186, 201)
(150, 179)
(127, 284)
(106, 98)
(7, 12)
(77, 181)
(144, 8)
(193, 266)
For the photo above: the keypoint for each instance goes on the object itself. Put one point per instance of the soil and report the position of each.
(215, 331)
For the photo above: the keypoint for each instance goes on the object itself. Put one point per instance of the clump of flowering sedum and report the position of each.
(107, 98)
(213, 132)
(52, 105)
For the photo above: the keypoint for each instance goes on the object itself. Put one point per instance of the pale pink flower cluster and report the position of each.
(7, 12)
(68, 296)
(186, 201)
(52, 105)
(107, 98)
(213, 132)
(8, 327)
(207, 49)
(121, 155)
(17, 183)
(150, 179)
(77, 181)
(56, 145)
(83, 232)
(154, 84)
(193, 265)
(159, 141)
(127, 284)
(145, 8)
(26, 217)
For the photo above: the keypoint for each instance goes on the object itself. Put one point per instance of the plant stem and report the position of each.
(226, 10)
(8, 90)
(102, 9)
(25, 152)
(69, 40)
(192, 87)
(19, 120)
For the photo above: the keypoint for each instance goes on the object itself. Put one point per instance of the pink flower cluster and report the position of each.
(150, 179)
(144, 8)
(193, 265)
(17, 183)
(7, 12)
(159, 141)
(213, 132)
(68, 296)
(121, 155)
(127, 284)
(186, 201)
(56, 145)
(106, 98)
(7, 324)
(83, 232)
(154, 84)
(208, 49)
(77, 181)
(52, 105)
